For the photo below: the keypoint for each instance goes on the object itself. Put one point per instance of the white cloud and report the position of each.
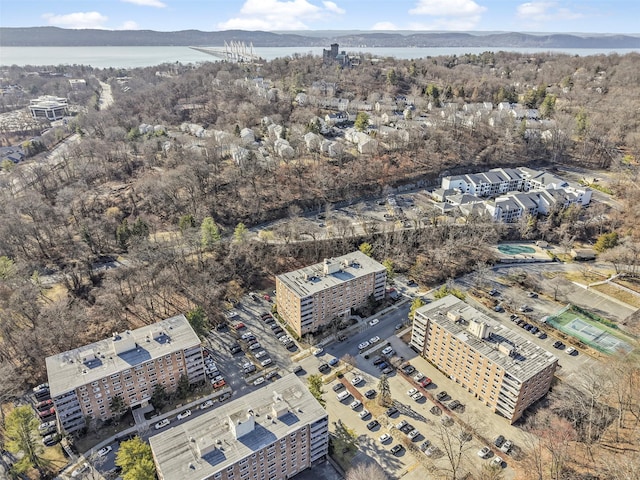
(545, 11)
(332, 7)
(147, 3)
(447, 14)
(129, 25)
(279, 15)
(385, 26)
(447, 8)
(77, 20)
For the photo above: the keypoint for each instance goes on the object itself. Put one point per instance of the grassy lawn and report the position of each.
(631, 284)
(613, 291)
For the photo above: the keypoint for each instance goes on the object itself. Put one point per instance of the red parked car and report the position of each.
(44, 405)
(47, 413)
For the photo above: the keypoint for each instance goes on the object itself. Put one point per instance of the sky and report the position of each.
(586, 16)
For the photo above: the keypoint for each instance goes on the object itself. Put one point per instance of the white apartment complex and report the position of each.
(504, 370)
(130, 364)
(272, 433)
(513, 192)
(311, 297)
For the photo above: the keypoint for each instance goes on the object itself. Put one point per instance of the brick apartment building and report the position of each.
(504, 370)
(84, 380)
(311, 297)
(272, 433)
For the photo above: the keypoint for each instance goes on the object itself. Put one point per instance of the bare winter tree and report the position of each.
(366, 471)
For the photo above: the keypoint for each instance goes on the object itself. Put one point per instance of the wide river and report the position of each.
(131, 57)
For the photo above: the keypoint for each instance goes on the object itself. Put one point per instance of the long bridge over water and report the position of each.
(233, 51)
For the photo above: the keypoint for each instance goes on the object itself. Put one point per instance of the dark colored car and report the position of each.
(51, 439)
(44, 405)
(370, 393)
(235, 348)
(396, 449)
(378, 360)
(499, 441)
(442, 395)
(337, 387)
(391, 411)
(372, 424)
(324, 368)
(558, 344)
(454, 404)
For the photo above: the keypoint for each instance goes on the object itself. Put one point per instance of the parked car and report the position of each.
(411, 283)
(506, 446)
(408, 369)
(260, 354)
(357, 380)
(383, 365)
(435, 410)
(221, 383)
(391, 411)
(496, 461)
(363, 345)
(298, 369)
(370, 393)
(418, 376)
(384, 438)
(44, 405)
(259, 381)
(558, 344)
(337, 387)
(532, 295)
(235, 348)
(318, 351)
(401, 424)
(372, 424)
(484, 452)
(442, 395)
(499, 441)
(374, 322)
(46, 425)
(255, 346)
(104, 451)
(396, 449)
(266, 361)
(205, 405)
(413, 434)
(454, 404)
(161, 424)
(425, 381)
(417, 396)
(431, 451)
(364, 414)
(185, 414)
(387, 370)
(47, 413)
(334, 361)
(373, 340)
(570, 351)
(355, 404)
(411, 391)
(378, 360)
(271, 375)
(388, 350)
(324, 368)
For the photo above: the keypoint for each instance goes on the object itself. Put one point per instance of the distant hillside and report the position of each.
(59, 37)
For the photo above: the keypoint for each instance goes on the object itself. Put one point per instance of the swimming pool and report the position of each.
(511, 249)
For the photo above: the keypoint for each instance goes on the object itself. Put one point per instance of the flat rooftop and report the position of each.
(528, 358)
(312, 279)
(207, 444)
(74, 368)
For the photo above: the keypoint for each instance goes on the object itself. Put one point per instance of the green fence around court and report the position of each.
(585, 327)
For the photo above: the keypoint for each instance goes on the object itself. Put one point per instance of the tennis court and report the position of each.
(511, 249)
(598, 336)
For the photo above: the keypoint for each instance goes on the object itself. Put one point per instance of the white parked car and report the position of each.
(418, 376)
(364, 413)
(207, 404)
(570, 351)
(373, 322)
(318, 351)
(259, 381)
(412, 391)
(185, 414)
(375, 339)
(255, 346)
(355, 404)
(413, 434)
(357, 380)
(496, 461)
(266, 361)
(484, 452)
(363, 345)
(104, 451)
(417, 396)
(387, 350)
(401, 424)
(161, 424)
(506, 446)
(384, 437)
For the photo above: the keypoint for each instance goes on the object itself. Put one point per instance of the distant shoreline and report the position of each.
(59, 37)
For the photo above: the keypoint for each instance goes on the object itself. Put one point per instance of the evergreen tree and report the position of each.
(384, 391)
(366, 248)
(362, 122)
(314, 383)
(21, 438)
(209, 233)
(240, 233)
(199, 322)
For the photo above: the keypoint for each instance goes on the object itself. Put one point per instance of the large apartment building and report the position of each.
(504, 370)
(130, 364)
(311, 297)
(272, 433)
